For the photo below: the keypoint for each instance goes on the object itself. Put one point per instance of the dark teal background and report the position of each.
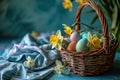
(18, 17)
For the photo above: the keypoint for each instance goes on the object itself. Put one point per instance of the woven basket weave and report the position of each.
(92, 62)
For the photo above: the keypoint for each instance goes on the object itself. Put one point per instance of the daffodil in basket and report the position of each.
(75, 41)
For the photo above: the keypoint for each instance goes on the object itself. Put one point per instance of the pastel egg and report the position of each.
(72, 46)
(85, 35)
(74, 36)
(82, 45)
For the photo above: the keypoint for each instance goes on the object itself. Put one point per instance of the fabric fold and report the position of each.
(39, 49)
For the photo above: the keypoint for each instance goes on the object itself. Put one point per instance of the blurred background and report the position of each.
(18, 17)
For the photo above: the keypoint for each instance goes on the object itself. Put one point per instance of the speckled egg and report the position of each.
(82, 45)
(74, 36)
(72, 46)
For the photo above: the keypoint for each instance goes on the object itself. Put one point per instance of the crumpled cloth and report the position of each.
(39, 49)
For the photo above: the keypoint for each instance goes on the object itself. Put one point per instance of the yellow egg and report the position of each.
(72, 46)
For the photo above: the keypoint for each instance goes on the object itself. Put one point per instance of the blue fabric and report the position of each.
(39, 49)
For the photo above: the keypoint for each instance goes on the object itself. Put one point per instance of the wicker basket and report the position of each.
(92, 62)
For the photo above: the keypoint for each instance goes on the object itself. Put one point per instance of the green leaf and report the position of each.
(118, 41)
(114, 17)
(88, 26)
(118, 3)
(90, 11)
(118, 29)
(111, 3)
(94, 19)
(105, 8)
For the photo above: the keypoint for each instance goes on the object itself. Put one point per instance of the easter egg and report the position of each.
(82, 45)
(74, 36)
(72, 46)
(84, 35)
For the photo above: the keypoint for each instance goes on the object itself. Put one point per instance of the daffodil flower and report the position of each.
(80, 1)
(29, 63)
(93, 42)
(67, 30)
(35, 34)
(67, 4)
(60, 68)
(56, 40)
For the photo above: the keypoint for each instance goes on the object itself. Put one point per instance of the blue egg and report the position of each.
(84, 35)
(82, 45)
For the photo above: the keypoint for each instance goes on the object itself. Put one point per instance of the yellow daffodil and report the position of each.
(67, 30)
(80, 1)
(56, 40)
(35, 34)
(96, 42)
(93, 42)
(67, 4)
(29, 63)
(60, 68)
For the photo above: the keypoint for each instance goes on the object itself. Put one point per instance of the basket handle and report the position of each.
(101, 18)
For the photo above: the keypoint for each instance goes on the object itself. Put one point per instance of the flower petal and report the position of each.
(58, 63)
(28, 58)
(25, 64)
(58, 33)
(67, 4)
(89, 37)
(59, 47)
(68, 29)
(54, 45)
